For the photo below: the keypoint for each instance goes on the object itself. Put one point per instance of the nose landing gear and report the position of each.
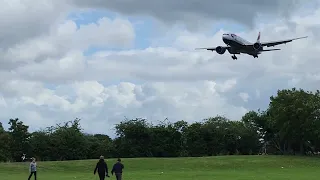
(234, 57)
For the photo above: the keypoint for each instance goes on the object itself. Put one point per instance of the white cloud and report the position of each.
(3, 102)
(67, 37)
(244, 96)
(21, 20)
(46, 79)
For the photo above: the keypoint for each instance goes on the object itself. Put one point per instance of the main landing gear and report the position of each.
(234, 57)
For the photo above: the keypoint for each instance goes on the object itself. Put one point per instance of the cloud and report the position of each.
(195, 14)
(97, 104)
(22, 20)
(49, 77)
(66, 38)
(244, 96)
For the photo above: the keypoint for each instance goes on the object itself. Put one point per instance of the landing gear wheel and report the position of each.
(234, 57)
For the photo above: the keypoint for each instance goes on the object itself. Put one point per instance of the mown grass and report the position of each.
(204, 168)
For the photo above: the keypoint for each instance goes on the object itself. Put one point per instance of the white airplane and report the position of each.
(236, 45)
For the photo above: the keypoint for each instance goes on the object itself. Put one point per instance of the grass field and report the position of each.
(206, 168)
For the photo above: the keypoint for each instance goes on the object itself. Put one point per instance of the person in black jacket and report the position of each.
(117, 169)
(102, 168)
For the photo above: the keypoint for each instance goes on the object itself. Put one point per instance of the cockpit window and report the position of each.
(226, 34)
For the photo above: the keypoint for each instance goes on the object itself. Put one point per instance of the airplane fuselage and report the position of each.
(239, 45)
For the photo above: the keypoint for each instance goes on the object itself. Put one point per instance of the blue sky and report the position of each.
(145, 27)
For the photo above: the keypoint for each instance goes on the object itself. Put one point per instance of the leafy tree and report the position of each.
(98, 145)
(19, 138)
(40, 145)
(4, 145)
(195, 143)
(68, 142)
(134, 138)
(295, 114)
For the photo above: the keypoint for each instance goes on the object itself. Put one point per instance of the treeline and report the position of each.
(290, 125)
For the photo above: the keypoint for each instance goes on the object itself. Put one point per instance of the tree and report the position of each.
(134, 138)
(68, 142)
(195, 143)
(4, 146)
(99, 144)
(261, 123)
(19, 138)
(166, 140)
(295, 114)
(40, 145)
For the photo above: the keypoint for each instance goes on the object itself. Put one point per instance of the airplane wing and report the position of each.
(271, 49)
(212, 48)
(209, 49)
(265, 50)
(274, 43)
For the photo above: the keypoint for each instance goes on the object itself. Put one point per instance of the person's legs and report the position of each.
(102, 177)
(119, 176)
(35, 175)
(30, 175)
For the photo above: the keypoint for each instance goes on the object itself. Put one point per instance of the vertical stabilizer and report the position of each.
(258, 39)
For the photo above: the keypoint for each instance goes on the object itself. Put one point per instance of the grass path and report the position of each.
(206, 168)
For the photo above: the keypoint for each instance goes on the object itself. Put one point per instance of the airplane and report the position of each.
(236, 45)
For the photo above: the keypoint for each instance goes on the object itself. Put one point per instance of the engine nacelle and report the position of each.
(220, 50)
(257, 46)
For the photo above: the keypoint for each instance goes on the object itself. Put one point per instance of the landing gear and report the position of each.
(255, 56)
(234, 57)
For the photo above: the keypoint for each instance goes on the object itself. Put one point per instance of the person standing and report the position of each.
(102, 169)
(23, 157)
(33, 169)
(117, 169)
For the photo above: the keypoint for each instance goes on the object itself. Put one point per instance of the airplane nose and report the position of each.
(224, 36)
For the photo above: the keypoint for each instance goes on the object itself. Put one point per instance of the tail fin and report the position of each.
(258, 39)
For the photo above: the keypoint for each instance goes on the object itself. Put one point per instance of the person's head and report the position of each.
(119, 160)
(33, 159)
(101, 158)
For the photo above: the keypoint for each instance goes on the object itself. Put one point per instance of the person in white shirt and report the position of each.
(23, 157)
(33, 169)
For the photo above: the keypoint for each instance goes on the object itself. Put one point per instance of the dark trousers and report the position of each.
(35, 175)
(102, 176)
(119, 176)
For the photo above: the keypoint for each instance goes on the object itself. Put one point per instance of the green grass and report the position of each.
(206, 168)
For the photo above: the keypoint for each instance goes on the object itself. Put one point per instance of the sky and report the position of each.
(106, 61)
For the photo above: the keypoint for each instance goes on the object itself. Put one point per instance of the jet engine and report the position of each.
(257, 46)
(221, 50)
